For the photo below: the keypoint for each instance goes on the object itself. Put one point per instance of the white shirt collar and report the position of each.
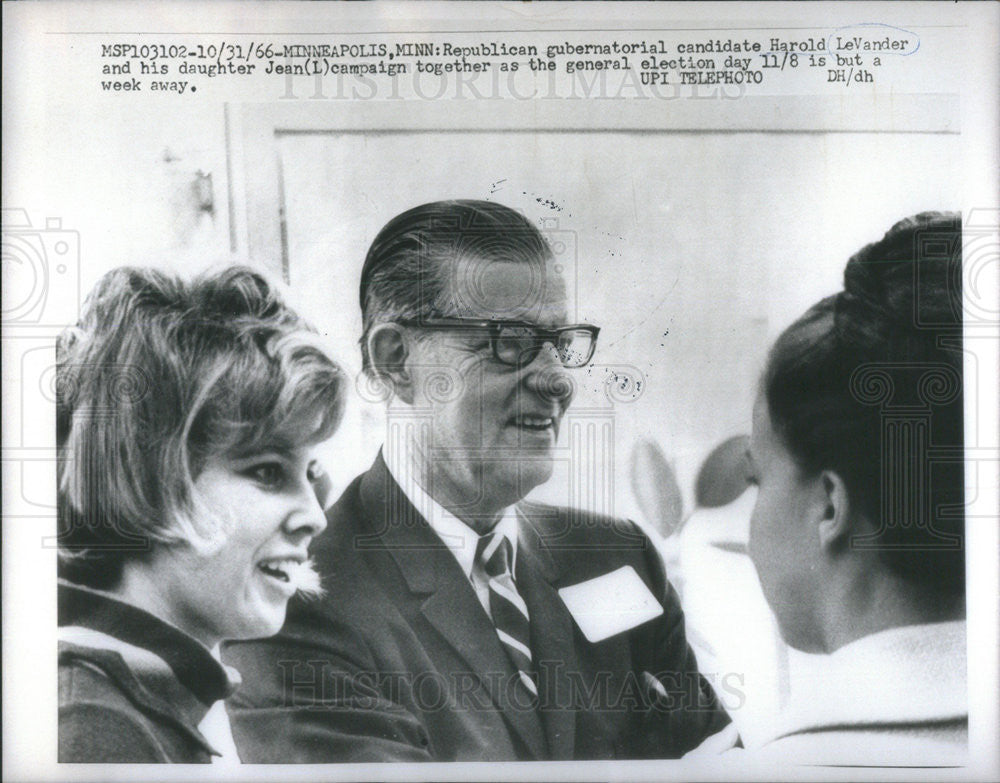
(905, 674)
(460, 539)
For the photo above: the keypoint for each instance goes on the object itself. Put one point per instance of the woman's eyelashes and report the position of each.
(275, 474)
(270, 474)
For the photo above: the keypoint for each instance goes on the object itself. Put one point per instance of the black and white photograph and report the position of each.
(501, 391)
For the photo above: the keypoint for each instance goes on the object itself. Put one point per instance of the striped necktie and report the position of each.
(510, 614)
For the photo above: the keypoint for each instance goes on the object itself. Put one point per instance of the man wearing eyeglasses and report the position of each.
(460, 621)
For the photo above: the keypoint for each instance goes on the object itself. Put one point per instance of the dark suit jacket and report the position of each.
(399, 662)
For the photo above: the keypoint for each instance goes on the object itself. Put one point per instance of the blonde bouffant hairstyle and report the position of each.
(159, 375)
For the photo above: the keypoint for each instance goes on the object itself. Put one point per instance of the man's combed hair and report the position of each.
(841, 379)
(158, 376)
(407, 272)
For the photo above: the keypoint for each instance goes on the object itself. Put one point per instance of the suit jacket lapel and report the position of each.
(457, 615)
(451, 606)
(552, 641)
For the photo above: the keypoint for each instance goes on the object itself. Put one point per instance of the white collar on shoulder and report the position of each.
(460, 539)
(910, 674)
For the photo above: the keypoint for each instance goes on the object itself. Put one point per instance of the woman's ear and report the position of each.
(835, 524)
(388, 350)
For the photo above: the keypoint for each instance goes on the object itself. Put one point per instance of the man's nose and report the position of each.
(548, 378)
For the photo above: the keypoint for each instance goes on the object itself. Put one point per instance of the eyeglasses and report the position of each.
(517, 343)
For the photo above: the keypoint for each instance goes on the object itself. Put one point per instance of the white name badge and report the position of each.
(610, 604)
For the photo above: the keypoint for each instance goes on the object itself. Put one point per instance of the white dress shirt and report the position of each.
(460, 539)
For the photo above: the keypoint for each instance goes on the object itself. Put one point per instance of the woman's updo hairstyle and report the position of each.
(868, 384)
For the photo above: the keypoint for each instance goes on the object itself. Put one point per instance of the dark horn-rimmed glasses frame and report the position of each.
(517, 343)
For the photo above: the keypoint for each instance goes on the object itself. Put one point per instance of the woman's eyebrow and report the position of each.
(267, 450)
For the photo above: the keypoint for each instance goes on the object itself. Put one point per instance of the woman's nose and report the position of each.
(309, 517)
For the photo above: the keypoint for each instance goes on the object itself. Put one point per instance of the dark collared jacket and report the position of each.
(132, 688)
(399, 662)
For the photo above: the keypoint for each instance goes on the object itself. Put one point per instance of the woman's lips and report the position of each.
(290, 574)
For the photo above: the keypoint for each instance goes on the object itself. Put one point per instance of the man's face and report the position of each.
(493, 432)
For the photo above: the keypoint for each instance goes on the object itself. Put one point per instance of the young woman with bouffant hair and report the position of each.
(188, 419)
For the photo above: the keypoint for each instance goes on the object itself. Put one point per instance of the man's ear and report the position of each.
(388, 351)
(835, 523)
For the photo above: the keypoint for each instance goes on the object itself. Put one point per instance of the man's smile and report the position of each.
(534, 423)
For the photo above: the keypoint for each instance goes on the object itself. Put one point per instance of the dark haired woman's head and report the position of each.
(168, 389)
(861, 409)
